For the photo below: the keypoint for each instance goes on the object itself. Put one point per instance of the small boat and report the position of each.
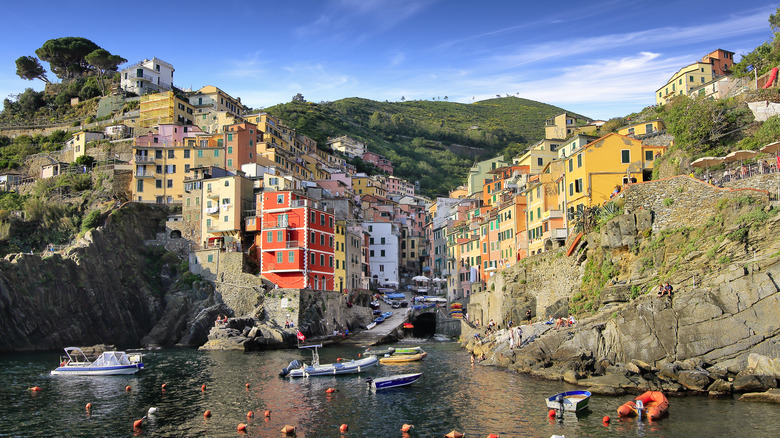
(370, 326)
(570, 401)
(379, 320)
(387, 315)
(298, 369)
(107, 364)
(402, 355)
(654, 403)
(388, 350)
(392, 381)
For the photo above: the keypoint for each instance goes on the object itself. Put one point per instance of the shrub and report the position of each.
(91, 220)
(668, 202)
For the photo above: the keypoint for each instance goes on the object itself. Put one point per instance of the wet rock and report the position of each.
(643, 366)
(691, 364)
(719, 387)
(763, 365)
(633, 369)
(753, 383)
(694, 380)
(618, 369)
(571, 376)
(670, 370)
(770, 396)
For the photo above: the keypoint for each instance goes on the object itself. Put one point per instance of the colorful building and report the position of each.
(148, 76)
(162, 109)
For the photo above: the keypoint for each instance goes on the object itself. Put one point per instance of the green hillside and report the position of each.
(431, 142)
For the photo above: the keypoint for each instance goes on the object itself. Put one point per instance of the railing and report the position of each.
(144, 159)
(292, 244)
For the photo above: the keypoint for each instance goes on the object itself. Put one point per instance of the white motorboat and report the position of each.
(380, 383)
(76, 363)
(298, 369)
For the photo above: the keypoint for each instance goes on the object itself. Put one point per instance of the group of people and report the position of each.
(221, 319)
(562, 321)
(665, 289)
(288, 324)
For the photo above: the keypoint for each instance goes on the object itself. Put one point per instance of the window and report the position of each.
(186, 153)
(371, 240)
(382, 253)
(540, 161)
(331, 242)
(578, 185)
(322, 259)
(382, 241)
(171, 154)
(313, 259)
(169, 183)
(279, 256)
(270, 237)
(230, 137)
(322, 219)
(571, 189)
(186, 168)
(331, 261)
(280, 236)
(230, 149)
(230, 162)
(200, 154)
(579, 161)
(322, 239)
(571, 164)
(313, 237)
(331, 222)
(648, 155)
(313, 217)
(371, 253)
(139, 185)
(171, 168)
(280, 199)
(625, 156)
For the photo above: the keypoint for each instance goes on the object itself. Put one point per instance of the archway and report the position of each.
(175, 234)
(424, 325)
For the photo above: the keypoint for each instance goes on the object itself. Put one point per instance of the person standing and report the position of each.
(528, 315)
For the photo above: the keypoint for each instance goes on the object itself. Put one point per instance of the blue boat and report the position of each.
(380, 320)
(392, 381)
(570, 401)
(387, 315)
(109, 363)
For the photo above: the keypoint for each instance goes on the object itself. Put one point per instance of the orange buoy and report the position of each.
(330, 391)
(360, 354)
(35, 388)
(207, 414)
(407, 427)
(288, 430)
(247, 386)
(164, 386)
(267, 413)
(88, 407)
(492, 435)
(551, 413)
(454, 434)
(606, 419)
(343, 427)
(338, 359)
(203, 387)
(137, 423)
(241, 427)
(128, 388)
(250, 414)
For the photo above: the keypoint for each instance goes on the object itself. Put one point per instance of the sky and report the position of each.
(601, 59)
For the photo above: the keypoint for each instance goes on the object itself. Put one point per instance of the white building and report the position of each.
(383, 253)
(148, 76)
(347, 146)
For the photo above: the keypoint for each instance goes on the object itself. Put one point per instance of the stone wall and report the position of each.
(681, 200)
(768, 182)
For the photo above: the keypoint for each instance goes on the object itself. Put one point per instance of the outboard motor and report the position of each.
(293, 365)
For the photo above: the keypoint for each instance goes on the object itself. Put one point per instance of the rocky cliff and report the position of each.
(722, 261)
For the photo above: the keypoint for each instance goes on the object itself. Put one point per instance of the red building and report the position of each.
(379, 161)
(296, 241)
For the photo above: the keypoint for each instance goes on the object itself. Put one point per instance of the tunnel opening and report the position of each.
(424, 325)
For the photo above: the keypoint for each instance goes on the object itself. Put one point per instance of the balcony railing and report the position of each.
(213, 211)
(276, 224)
(144, 159)
(144, 175)
(292, 244)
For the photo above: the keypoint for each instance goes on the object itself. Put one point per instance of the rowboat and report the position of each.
(402, 355)
(298, 369)
(109, 363)
(392, 381)
(653, 403)
(570, 401)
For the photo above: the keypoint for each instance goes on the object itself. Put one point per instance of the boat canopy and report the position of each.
(111, 358)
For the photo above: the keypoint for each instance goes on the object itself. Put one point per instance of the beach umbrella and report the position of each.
(421, 278)
(771, 148)
(740, 155)
(438, 280)
(707, 161)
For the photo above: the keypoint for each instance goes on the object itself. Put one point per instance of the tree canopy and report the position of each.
(66, 56)
(28, 67)
(103, 62)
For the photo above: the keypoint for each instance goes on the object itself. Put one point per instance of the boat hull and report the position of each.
(655, 404)
(570, 401)
(352, 367)
(402, 358)
(394, 381)
(97, 371)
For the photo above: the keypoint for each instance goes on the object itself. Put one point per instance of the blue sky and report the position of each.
(601, 59)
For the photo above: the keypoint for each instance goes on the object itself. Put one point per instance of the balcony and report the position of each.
(212, 211)
(219, 228)
(282, 223)
(212, 194)
(144, 159)
(292, 244)
(552, 214)
(143, 175)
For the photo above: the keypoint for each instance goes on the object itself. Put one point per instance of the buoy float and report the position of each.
(152, 411)
(338, 359)
(267, 413)
(343, 427)
(551, 413)
(88, 407)
(128, 388)
(407, 427)
(454, 434)
(35, 388)
(241, 427)
(606, 419)
(207, 414)
(203, 387)
(330, 391)
(288, 430)
(360, 354)
(250, 414)
(247, 386)
(137, 423)
(164, 386)
(492, 435)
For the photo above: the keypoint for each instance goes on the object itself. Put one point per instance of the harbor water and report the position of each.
(451, 394)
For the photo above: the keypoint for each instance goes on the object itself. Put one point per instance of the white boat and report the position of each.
(298, 369)
(392, 381)
(570, 401)
(109, 363)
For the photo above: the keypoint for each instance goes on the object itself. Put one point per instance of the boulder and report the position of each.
(633, 369)
(643, 366)
(670, 370)
(618, 369)
(571, 376)
(770, 396)
(695, 380)
(753, 383)
(719, 387)
(763, 365)
(606, 390)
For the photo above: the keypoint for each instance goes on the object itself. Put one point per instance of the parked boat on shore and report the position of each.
(299, 369)
(109, 363)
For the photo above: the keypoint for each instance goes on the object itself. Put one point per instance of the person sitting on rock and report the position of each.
(558, 323)
(661, 290)
(571, 319)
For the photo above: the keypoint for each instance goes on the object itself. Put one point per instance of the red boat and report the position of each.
(653, 403)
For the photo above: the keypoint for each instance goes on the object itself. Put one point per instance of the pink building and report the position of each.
(379, 161)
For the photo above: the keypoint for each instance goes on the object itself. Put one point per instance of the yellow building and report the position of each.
(538, 155)
(164, 108)
(340, 254)
(592, 173)
(215, 121)
(78, 142)
(365, 185)
(224, 201)
(642, 128)
(682, 82)
(212, 99)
